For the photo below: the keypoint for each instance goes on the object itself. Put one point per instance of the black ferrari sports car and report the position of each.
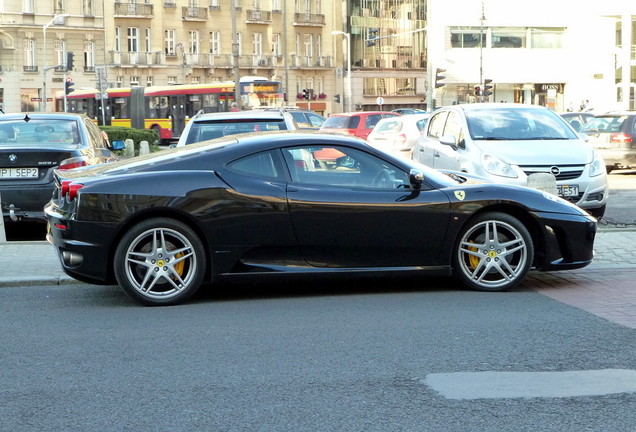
(302, 203)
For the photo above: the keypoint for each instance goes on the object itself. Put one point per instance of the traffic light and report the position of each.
(373, 37)
(69, 60)
(477, 91)
(439, 78)
(306, 94)
(487, 87)
(68, 85)
(336, 98)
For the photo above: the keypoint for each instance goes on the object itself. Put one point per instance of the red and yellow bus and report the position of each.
(166, 109)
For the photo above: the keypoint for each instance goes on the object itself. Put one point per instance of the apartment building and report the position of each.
(35, 37)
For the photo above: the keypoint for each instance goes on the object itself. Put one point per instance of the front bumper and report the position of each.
(568, 241)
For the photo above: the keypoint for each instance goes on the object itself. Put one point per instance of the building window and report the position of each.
(133, 39)
(215, 42)
(172, 80)
(27, 7)
(467, 37)
(309, 46)
(120, 81)
(148, 40)
(170, 42)
(214, 4)
(89, 55)
(276, 6)
(546, 37)
(257, 40)
(239, 39)
(117, 46)
(58, 7)
(60, 52)
(508, 38)
(29, 54)
(276, 45)
(193, 45)
(195, 80)
(148, 81)
(134, 81)
(88, 7)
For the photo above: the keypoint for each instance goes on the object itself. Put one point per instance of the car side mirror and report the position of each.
(583, 136)
(416, 178)
(117, 145)
(449, 140)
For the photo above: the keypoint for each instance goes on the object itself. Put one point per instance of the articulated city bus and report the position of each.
(166, 109)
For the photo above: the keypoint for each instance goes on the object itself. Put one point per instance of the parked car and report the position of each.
(206, 126)
(33, 146)
(397, 135)
(510, 142)
(357, 124)
(408, 111)
(577, 119)
(302, 204)
(305, 118)
(613, 135)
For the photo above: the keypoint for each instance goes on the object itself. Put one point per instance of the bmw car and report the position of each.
(301, 204)
(33, 146)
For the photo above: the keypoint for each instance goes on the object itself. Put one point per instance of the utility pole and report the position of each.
(235, 57)
(481, 51)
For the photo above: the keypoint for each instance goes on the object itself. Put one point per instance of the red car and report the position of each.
(358, 124)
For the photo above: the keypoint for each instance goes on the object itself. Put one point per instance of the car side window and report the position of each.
(257, 165)
(372, 120)
(94, 133)
(437, 122)
(342, 167)
(454, 126)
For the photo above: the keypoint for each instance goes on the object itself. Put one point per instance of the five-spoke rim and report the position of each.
(160, 263)
(493, 254)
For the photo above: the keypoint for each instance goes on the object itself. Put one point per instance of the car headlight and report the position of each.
(597, 167)
(494, 165)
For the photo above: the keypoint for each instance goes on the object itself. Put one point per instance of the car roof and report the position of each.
(250, 114)
(494, 105)
(365, 113)
(43, 115)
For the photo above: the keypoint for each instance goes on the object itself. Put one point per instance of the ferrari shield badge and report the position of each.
(460, 195)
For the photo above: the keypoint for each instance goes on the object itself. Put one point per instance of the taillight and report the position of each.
(401, 139)
(68, 189)
(621, 138)
(75, 162)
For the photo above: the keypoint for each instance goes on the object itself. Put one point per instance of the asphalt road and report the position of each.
(86, 358)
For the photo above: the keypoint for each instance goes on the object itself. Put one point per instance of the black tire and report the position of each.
(493, 252)
(160, 262)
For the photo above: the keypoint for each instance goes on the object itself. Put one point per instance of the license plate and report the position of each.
(18, 173)
(568, 190)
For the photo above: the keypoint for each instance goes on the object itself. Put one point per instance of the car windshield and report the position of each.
(604, 124)
(388, 126)
(517, 124)
(38, 131)
(341, 122)
(206, 130)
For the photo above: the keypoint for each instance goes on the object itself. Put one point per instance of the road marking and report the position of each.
(493, 385)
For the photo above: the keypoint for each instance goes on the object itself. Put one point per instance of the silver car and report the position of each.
(507, 143)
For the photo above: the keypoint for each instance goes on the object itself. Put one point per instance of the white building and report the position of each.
(547, 52)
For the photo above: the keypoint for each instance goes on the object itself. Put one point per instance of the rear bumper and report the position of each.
(618, 157)
(87, 260)
(25, 202)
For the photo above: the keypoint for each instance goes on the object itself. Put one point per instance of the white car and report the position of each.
(397, 135)
(507, 143)
(206, 126)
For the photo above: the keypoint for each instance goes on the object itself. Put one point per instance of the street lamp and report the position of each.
(44, 69)
(348, 39)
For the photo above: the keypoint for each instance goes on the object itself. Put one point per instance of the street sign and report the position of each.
(380, 100)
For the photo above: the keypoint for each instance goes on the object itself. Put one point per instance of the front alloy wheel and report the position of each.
(160, 262)
(494, 253)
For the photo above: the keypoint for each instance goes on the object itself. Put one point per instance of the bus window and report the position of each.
(120, 108)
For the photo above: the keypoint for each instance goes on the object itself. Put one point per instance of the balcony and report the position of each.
(257, 16)
(133, 10)
(194, 13)
(30, 68)
(169, 4)
(309, 19)
(311, 62)
(131, 58)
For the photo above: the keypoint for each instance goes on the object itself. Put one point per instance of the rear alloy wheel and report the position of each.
(494, 253)
(160, 261)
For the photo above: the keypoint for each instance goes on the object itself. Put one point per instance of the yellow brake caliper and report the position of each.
(178, 268)
(472, 259)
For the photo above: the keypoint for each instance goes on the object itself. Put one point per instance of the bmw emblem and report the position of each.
(555, 170)
(13, 158)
